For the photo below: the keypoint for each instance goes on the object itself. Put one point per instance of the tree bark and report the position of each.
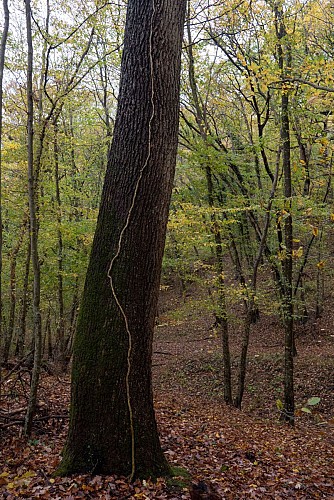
(61, 341)
(19, 351)
(2, 67)
(112, 421)
(13, 286)
(287, 271)
(221, 313)
(37, 329)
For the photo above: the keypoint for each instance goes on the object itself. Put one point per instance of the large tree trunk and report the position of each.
(112, 421)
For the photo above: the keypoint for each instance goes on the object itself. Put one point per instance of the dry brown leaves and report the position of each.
(240, 454)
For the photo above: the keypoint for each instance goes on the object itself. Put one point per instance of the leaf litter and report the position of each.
(244, 454)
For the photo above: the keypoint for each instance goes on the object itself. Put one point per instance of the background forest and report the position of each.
(250, 231)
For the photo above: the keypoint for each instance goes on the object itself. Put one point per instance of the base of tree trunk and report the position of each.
(68, 467)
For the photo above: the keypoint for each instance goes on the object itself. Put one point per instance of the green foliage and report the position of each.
(311, 402)
(71, 90)
(234, 137)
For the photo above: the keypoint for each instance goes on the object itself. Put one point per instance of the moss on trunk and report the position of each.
(112, 421)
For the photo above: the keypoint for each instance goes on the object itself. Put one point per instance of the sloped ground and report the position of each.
(239, 454)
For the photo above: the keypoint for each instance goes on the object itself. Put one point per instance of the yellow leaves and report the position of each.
(296, 254)
(315, 231)
(26, 475)
(286, 87)
(282, 215)
(281, 254)
(141, 495)
(87, 487)
(10, 146)
(254, 67)
(17, 481)
(279, 404)
(332, 217)
(321, 264)
(241, 58)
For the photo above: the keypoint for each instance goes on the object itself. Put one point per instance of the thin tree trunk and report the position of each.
(37, 328)
(12, 285)
(61, 343)
(250, 305)
(73, 320)
(285, 64)
(178, 271)
(48, 336)
(221, 314)
(319, 304)
(2, 67)
(304, 157)
(243, 356)
(19, 351)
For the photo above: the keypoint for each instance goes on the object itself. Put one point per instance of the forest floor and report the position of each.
(246, 454)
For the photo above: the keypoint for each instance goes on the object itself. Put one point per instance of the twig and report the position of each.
(10, 414)
(51, 417)
(40, 419)
(18, 365)
(10, 424)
